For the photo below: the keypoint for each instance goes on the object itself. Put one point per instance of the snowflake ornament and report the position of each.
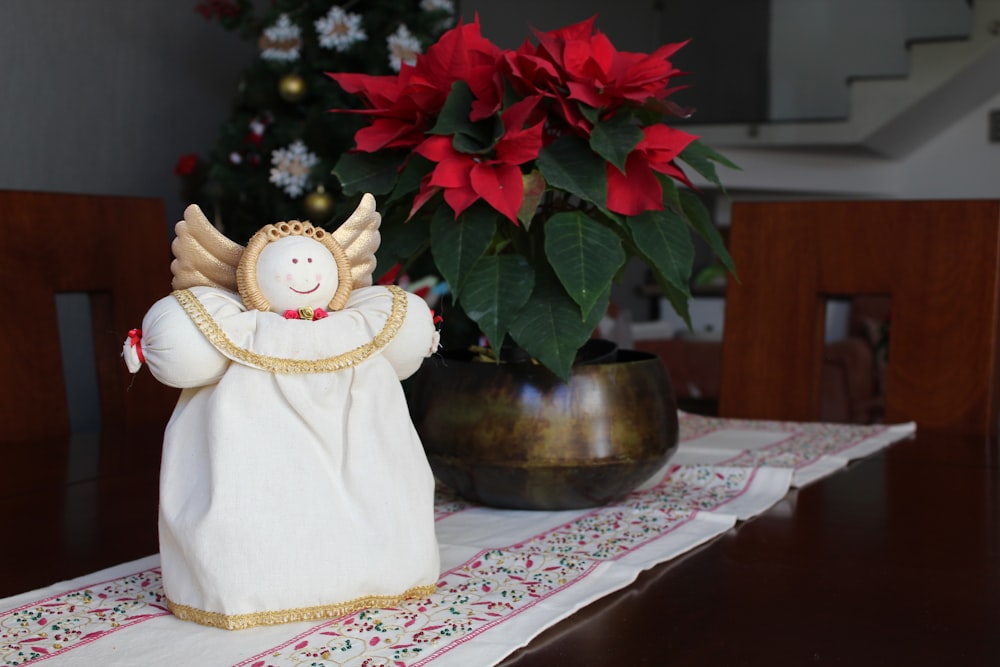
(281, 41)
(437, 5)
(339, 30)
(291, 165)
(403, 48)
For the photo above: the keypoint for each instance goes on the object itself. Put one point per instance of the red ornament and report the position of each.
(217, 8)
(185, 164)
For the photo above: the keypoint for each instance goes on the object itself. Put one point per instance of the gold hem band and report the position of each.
(218, 338)
(243, 621)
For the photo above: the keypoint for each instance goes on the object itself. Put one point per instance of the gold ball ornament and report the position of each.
(292, 87)
(319, 204)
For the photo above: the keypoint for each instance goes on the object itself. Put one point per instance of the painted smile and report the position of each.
(308, 291)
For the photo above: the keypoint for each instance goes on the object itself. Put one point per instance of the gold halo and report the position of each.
(246, 270)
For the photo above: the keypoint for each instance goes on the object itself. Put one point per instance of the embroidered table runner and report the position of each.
(506, 575)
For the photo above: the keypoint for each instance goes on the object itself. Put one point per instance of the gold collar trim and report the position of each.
(244, 621)
(218, 338)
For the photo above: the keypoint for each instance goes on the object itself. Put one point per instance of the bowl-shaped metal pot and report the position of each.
(516, 436)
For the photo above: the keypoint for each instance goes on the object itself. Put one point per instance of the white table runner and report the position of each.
(506, 575)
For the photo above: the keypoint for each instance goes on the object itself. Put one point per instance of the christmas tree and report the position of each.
(274, 156)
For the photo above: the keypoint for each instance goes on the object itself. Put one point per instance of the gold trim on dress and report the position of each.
(218, 338)
(254, 619)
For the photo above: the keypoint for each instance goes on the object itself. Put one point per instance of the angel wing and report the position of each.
(203, 255)
(360, 238)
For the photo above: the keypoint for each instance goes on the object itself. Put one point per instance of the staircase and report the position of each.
(888, 116)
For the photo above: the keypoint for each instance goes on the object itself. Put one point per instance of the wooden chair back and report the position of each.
(937, 260)
(114, 249)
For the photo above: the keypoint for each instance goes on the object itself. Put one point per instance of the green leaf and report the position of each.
(408, 181)
(584, 254)
(454, 116)
(549, 326)
(590, 113)
(495, 290)
(401, 239)
(679, 298)
(480, 138)
(614, 139)
(701, 158)
(467, 136)
(457, 244)
(368, 172)
(569, 164)
(663, 241)
(699, 218)
(671, 196)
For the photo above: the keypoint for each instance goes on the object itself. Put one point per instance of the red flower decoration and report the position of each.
(186, 164)
(561, 145)
(220, 8)
(467, 178)
(637, 189)
(404, 107)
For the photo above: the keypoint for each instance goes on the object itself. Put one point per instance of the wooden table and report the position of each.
(894, 561)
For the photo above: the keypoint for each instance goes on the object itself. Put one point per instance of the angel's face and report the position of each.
(296, 272)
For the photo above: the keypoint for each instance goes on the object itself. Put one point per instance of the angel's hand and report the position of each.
(132, 351)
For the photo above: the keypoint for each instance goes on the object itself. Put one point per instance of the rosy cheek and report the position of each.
(289, 278)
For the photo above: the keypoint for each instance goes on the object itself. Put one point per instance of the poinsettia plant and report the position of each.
(531, 176)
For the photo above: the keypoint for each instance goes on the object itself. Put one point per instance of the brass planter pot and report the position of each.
(515, 436)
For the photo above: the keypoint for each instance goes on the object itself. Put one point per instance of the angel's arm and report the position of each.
(416, 339)
(176, 352)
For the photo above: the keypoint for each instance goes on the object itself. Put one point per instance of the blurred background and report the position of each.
(812, 98)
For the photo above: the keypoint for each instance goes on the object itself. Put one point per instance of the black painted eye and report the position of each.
(310, 260)
(295, 260)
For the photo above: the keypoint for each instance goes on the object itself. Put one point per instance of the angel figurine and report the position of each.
(293, 485)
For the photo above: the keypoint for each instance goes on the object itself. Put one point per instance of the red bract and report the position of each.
(404, 107)
(401, 111)
(463, 54)
(556, 79)
(638, 190)
(532, 74)
(466, 178)
(598, 75)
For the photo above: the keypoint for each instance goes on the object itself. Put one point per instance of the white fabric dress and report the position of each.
(293, 485)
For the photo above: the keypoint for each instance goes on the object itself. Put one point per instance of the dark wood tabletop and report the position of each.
(893, 561)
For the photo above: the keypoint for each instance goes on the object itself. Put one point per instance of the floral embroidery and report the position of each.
(694, 488)
(807, 442)
(58, 624)
(447, 502)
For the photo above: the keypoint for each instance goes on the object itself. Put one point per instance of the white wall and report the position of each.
(959, 163)
(102, 96)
